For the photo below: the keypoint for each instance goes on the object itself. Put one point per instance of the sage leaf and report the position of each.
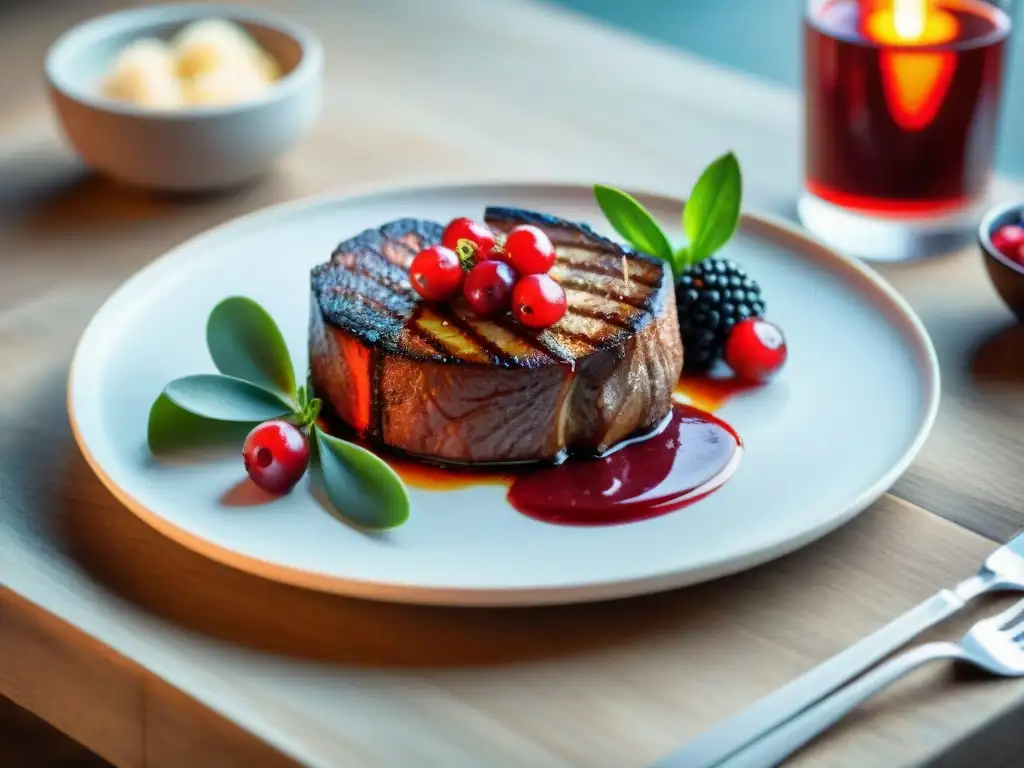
(631, 220)
(173, 430)
(713, 209)
(225, 398)
(245, 342)
(361, 487)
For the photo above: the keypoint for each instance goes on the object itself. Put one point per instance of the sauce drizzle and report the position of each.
(709, 393)
(694, 454)
(689, 455)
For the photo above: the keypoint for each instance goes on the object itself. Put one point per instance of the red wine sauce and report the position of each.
(694, 454)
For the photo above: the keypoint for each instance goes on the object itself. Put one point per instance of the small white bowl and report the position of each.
(190, 149)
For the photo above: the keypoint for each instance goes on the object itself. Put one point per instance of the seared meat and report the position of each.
(441, 383)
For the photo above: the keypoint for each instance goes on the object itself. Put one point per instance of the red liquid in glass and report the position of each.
(901, 129)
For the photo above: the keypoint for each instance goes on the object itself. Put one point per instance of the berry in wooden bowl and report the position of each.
(1001, 236)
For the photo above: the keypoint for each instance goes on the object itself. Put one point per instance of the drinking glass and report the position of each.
(902, 101)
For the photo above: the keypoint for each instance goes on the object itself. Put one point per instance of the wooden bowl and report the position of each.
(1006, 275)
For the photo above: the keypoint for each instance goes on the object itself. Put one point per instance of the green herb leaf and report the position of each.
(361, 487)
(312, 412)
(226, 398)
(713, 210)
(631, 220)
(173, 430)
(245, 342)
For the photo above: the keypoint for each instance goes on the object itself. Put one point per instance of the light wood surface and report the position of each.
(152, 656)
(326, 680)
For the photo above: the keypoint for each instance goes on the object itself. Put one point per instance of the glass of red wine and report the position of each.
(902, 100)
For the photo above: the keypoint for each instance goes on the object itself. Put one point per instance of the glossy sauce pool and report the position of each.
(690, 455)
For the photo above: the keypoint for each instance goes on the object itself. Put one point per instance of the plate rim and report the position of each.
(913, 331)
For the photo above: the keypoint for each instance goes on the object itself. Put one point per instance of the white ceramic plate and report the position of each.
(848, 415)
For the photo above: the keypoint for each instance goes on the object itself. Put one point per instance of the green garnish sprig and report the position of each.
(256, 382)
(709, 218)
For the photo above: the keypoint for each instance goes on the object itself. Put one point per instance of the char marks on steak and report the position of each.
(443, 384)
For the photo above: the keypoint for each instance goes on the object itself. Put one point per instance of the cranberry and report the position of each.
(479, 236)
(538, 301)
(436, 273)
(276, 455)
(529, 250)
(755, 349)
(1008, 240)
(488, 287)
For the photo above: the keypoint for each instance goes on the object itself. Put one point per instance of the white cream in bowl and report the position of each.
(209, 62)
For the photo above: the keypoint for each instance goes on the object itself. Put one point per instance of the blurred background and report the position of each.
(763, 38)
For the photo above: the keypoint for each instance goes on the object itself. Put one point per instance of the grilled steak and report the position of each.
(443, 384)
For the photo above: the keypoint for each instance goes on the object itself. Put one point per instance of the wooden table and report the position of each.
(151, 655)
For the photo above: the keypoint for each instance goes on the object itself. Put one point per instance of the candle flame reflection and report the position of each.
(909, 18)
(915, 81)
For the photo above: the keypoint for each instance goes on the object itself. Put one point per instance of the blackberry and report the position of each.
(711, 297)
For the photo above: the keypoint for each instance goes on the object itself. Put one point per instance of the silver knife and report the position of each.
(1003, 571)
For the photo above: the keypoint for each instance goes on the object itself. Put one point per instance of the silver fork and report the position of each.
(993, 644)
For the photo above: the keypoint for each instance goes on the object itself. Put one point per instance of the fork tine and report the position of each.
(1009, 618)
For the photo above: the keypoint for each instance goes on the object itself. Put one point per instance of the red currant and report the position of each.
(276, 455)
(755, 349)
(538, 301)
(1008, 240)
(488, 287)
(436, 273)
(529, 250)
(479, 236)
